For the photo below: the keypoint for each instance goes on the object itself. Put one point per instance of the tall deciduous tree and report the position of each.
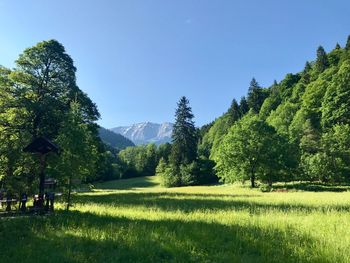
(45, 85)
(78, 150)
(251, 150)
(336, 104)
(184, 138)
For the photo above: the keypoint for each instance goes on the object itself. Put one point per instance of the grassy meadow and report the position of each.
(135, 220)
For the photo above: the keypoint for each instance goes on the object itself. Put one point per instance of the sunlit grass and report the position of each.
(136, 220)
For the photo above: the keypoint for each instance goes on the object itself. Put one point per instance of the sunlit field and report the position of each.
(136, 220)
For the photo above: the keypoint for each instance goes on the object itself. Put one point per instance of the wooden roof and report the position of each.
(41, 145)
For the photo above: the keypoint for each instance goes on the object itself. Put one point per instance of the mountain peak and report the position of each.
(146, 132)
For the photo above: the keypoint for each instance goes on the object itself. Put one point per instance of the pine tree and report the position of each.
(234, 111)
(274, 88)
(347, 46)
(184, 138)
(307, 67)
(255, 96)
(337, 46)
(322, 60)
(243, 106)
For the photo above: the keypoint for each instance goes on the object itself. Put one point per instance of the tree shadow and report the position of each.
(313, 187)
(190, 203)
(86, 237)
(127, 184)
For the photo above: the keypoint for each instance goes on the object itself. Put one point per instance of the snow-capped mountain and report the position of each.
(146, 132)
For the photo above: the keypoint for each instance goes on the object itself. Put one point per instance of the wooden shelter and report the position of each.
(41, 146)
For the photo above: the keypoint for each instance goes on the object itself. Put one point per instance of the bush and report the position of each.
(170, 176)
(265, 188)
(188, 174)
(195, 173)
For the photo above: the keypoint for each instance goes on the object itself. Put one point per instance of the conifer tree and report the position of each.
(322, 60)
(243, 106)
(307, 67)
(337, 46)
(234, 111)
(184, 138)
(347, 46)
(255, 96)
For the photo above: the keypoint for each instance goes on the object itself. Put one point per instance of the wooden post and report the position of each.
(42, 179)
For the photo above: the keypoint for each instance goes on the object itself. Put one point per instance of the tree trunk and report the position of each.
(42, 179)
(69, 192)
(252, 180)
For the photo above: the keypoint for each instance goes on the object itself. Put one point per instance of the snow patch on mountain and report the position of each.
(146, 132)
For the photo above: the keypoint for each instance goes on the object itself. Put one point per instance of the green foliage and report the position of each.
(35, 100)
(336, 104)
(139, 160)
(76, 160)
(256, 96)
(322, 60)
(347, 46)
(213, 137)
(115, 140)
(330, 160)
(196, 173)
(184, 137)
(164, 151)
(252, 150)
(282, 117)
(243, 106)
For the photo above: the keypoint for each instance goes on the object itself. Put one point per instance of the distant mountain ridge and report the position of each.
(146, 132)
(114, 140)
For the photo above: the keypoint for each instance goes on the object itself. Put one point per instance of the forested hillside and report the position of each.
(296, 129)
(115, 140)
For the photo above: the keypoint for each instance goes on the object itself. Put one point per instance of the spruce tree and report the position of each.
(243, 106)
(307, 67)
(322, 60)
(255, 96)
(337, 46)
(184, 138)
(347, 46)
(234, 111)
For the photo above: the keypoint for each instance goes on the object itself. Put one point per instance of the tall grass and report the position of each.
(135, 220)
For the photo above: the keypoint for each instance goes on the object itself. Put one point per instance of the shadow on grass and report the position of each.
(87, 237)
(191, 202)
(128, 184)
(313, 187)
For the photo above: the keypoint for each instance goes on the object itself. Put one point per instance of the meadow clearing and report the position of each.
(136, 220)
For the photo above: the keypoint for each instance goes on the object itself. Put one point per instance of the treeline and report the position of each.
(296, 129)
(114, 140)
(39, 97)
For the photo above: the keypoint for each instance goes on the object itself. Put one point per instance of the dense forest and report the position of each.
(296, 129)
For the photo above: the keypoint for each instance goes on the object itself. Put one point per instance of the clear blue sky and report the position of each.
(136, 58)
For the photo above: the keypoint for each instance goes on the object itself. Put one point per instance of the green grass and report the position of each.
(136, 220)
